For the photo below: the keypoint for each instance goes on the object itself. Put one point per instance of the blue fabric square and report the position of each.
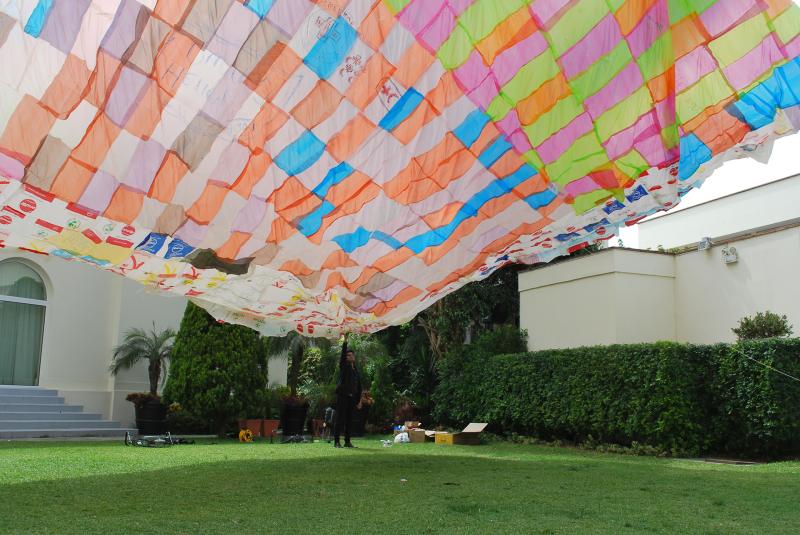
(331, 49)
(300, 154)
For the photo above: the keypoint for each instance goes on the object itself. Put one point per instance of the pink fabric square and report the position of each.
(472, 72)
(598, 42)
(438, 30)
(749, 67)
(508, 63)
(554, 146)
(650, 27)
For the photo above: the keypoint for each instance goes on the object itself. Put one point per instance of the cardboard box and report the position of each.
(416, 435)
(412, 425)
(471, 435)
(444, 438)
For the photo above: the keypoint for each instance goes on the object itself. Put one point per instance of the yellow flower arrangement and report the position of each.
(245, 435)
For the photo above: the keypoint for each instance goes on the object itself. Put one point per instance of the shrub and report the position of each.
(763, 325)
(219, 371)
(674, 397)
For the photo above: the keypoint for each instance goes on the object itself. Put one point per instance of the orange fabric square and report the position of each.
(393, 259)
(443, 216)
(661, 86)
(273, 70)
(776, 7)
(376, 26)
(267, 121)
(443, 151)
(66, 90)
(687, 35)
(506, 164)
(318, 105)
(281, 230)
(291, 192)
(349, 138)
(103, 78)
(253, 171)
(403, 180)
(630, 13)
(415, 61)
(695, 122)
(721, 131)
(173, 61)
(208, 204)
(334, 7)
(534, 184)
(453, 167)
(148, 111)
(98, 139)
(166, 180)
(488, 135)
(411, 126)
(172, 11)
(26, 129)
(230, 248)
(542, 99)
(340, 193)
(518, 26)
(368, 84)
(445, 93)
(71, 180)
(125, 205)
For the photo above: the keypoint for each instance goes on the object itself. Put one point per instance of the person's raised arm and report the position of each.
(344, 352)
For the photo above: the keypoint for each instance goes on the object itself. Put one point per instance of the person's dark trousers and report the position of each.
(344, 418)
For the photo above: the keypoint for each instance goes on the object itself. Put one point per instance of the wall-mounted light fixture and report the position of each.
(729, 255)
(704, 244)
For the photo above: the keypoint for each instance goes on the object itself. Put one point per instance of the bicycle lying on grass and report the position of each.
(154, 441)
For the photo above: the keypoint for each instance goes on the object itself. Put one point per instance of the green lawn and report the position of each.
(101, 487)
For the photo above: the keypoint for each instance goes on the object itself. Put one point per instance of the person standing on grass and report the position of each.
(348, 392)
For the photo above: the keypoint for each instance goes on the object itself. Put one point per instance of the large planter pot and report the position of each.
(268, 427)
(151, 417)
(293, 418)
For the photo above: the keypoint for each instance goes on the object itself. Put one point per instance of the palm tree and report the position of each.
(295, 346)
(138, 344)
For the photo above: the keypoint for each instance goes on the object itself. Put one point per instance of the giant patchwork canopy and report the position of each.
(342, 164)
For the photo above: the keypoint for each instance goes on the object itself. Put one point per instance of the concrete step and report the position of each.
(6, 425)
(39, 407)
(30, 399)
(87, 431)
(29, 415)
(10, 390)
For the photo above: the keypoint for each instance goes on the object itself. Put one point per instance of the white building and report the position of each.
(633, 295)
(59, 323)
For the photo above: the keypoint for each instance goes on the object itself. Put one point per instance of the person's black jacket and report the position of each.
(349, 383)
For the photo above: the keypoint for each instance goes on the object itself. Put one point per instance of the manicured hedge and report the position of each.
(682, 398)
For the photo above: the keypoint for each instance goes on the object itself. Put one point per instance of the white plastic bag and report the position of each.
(401, 438)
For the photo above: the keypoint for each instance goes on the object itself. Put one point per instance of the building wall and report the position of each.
(712, 296)
(580, 301)
(88, 313)
(723, 216)
(627, 296)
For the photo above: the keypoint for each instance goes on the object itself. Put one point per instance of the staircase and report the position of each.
(33, 412)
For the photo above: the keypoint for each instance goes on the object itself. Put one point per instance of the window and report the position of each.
(23, 301)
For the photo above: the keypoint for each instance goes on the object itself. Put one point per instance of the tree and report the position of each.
(155, 347)
(219, 370)
(763, 325)
(295, 346)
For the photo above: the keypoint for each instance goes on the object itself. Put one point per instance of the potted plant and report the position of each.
(271, 421)
(156, 348)
(294, 407)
